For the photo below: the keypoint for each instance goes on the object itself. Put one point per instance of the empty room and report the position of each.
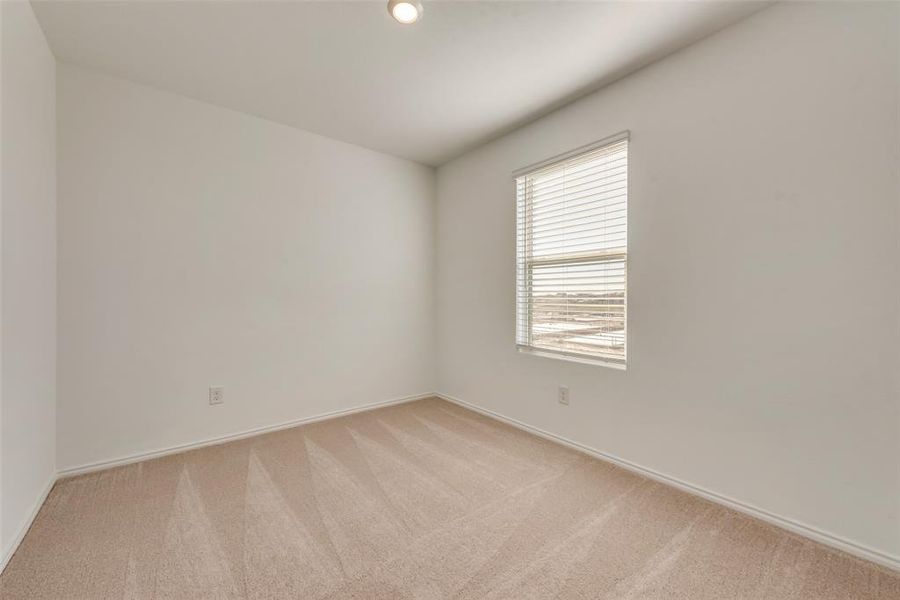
(426, 299)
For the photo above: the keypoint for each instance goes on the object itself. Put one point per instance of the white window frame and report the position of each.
(523, 343)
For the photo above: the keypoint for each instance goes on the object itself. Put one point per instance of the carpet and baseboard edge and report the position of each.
(151, 454)
(230, 437)
(823, 537)
(813, 533)
(26, 524)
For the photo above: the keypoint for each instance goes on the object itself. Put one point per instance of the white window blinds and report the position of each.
(572, 253)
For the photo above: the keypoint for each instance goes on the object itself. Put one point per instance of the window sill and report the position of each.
(576, 358)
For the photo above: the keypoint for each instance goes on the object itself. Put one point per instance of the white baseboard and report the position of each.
(26, 525)
(142, 456)
(807, 531)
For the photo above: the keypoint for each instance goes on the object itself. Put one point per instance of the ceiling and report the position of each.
(467, 72)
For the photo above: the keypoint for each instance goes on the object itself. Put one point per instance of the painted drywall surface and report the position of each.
(763, 280)
(28, 306)
(200, 247)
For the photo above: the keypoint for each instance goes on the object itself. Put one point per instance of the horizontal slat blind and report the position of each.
(571, 254)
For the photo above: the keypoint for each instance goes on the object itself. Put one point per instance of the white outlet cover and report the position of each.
(563, 395)
(216, 395)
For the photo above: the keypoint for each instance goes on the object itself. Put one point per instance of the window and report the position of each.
(571, 253)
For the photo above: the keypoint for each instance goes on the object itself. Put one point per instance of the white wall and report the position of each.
(28, 304)
(764, 289)
(201, 246)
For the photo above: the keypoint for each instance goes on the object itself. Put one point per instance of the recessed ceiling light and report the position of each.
(405, 11)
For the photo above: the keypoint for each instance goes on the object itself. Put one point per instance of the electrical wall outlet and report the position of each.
(216, 395)
(563, 395)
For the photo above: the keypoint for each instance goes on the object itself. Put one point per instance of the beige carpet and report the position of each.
(421, 500)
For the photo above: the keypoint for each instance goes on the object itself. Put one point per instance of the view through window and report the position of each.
(572, 253)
